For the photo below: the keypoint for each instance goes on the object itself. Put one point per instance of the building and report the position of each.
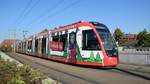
(130, 37)
(129, 40)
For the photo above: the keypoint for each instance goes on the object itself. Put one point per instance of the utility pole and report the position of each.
(24, 38)
(12, 32)
(14, 40)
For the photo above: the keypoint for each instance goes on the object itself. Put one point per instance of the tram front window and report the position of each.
(89, 40)
(108, 42)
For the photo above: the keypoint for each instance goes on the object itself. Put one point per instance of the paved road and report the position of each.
(70, 74)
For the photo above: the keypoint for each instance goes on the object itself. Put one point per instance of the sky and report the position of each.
(131, 16)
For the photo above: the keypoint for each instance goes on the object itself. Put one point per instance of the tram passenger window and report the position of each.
(60, 42)
(56, 38)
(89, 40)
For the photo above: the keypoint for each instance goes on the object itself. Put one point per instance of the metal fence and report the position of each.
(135, 56)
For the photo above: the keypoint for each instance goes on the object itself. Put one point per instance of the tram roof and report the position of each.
(71, 26)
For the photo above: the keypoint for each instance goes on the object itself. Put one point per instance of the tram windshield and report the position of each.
(107, 39)
(108, 42)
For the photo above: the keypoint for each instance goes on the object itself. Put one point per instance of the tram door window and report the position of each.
(19, 46)
(24, 46)
(89, 40)
(29, 46)
(36, 45)
(63, 39)
(43, 45)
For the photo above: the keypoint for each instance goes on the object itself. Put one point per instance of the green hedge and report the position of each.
(12, 73)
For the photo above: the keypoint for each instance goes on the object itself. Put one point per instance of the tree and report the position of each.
(118, 34)
(45, 30)
(141, 34)
(147, 40)
(143, 38)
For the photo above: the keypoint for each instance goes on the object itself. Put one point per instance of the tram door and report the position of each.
(36, 46)
(44, 46)
(72, 47)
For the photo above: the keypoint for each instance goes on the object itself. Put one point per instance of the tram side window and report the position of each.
(58, 42)
(89, 40)
(56, 38)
